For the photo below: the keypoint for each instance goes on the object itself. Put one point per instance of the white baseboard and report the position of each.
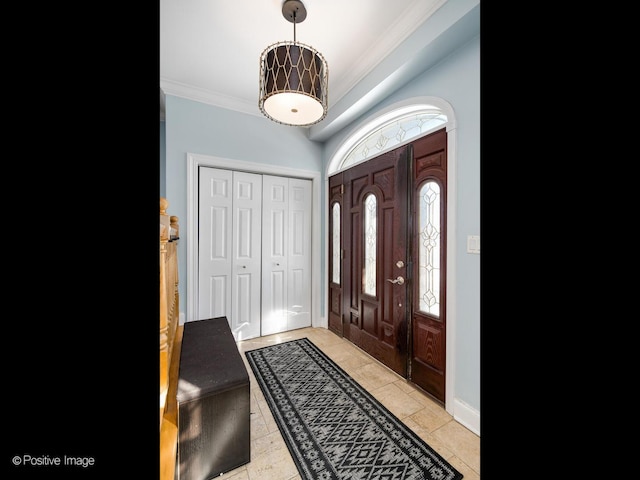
(467, 416)
(322, 322)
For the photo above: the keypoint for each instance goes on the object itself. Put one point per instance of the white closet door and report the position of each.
(215, 213)
(246, 264)
(254, 251)
(229, 256)
(299, 254)
(286, 254)
(275, 219)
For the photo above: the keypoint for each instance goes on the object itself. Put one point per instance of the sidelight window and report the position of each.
(336, 243)
(429, 248)
(370, 244)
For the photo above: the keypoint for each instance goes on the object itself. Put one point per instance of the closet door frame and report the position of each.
(194, 162)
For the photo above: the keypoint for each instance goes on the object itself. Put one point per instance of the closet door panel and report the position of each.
(299, 254)
(246, 259)
(214, 243)
(275, 222)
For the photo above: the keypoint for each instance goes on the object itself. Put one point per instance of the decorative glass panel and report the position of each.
(370, 244)
(394, 133)
(336, 243)
(429, 249)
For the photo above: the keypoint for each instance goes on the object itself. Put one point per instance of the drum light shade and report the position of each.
(293, 78)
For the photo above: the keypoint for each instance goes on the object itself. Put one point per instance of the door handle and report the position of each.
(398, 281)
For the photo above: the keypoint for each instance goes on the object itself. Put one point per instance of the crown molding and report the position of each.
(209, 97)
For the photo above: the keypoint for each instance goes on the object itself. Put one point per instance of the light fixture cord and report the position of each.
(294, 26)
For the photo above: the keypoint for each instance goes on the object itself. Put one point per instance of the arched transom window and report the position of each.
(388, 131)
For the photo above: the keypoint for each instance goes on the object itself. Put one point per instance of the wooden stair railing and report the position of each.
(170, 341)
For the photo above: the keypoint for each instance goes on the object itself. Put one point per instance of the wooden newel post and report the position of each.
(164, 325)
(170, 340)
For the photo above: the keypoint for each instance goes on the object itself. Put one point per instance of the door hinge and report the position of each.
(342, 189)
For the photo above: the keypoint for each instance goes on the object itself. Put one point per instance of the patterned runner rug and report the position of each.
(333, 427)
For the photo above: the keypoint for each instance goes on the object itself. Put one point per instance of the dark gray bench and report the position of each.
(214, 432)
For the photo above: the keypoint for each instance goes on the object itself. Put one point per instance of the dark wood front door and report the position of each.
(375, 257)
(387, 259)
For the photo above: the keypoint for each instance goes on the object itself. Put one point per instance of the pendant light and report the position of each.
(293, 77)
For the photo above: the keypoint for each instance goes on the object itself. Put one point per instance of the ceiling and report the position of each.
(210, 49)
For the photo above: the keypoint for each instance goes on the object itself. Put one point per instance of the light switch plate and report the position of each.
(473, 244)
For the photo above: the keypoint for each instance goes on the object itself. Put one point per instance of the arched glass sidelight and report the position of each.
(335, 235)
(370, 244)
(429, 248)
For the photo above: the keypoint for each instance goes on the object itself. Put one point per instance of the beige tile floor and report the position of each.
(270, 458)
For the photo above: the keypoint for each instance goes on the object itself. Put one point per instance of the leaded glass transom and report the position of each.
(429, 248)
(394, 133)
(370, 244)
(336, 243)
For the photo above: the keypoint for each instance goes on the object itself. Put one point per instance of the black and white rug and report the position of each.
(333, 427)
